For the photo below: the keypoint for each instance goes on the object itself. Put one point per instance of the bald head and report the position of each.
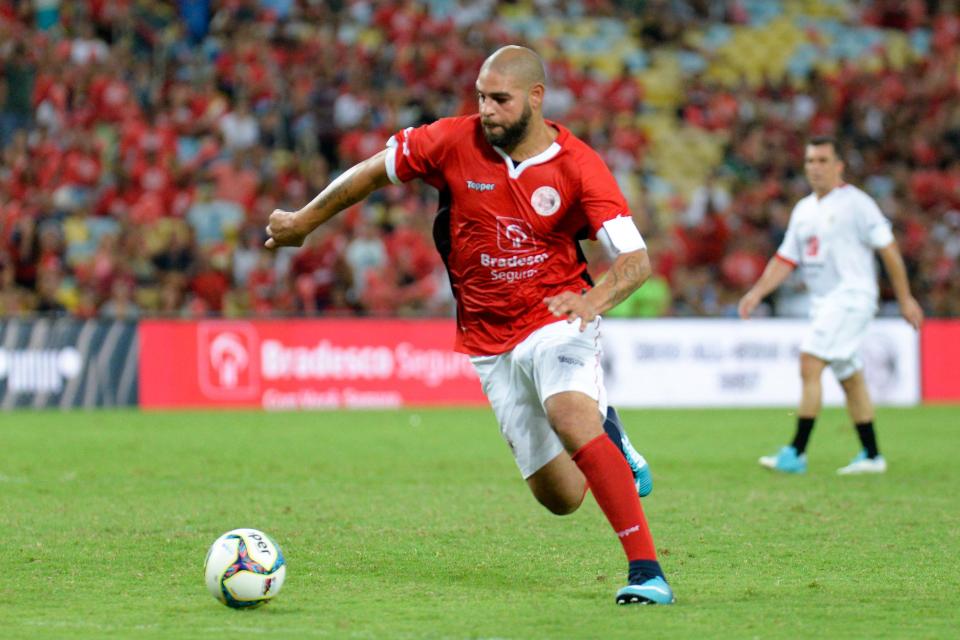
(520, 64)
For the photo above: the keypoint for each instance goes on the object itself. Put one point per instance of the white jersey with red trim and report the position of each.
(508, 232)
(832, 239)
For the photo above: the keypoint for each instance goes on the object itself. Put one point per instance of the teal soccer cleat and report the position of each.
(786, 461)
(638, 464)
(653, 591)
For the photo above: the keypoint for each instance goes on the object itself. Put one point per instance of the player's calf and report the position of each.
(559, 485)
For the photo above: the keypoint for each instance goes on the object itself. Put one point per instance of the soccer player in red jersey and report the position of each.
(517, 192)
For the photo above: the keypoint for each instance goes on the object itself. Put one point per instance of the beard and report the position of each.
(511, 134)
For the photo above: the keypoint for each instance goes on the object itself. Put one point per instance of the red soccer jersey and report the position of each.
(508, 232)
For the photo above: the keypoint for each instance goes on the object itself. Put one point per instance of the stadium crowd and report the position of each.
(144, 143)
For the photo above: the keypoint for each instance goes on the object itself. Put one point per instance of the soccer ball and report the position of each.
(244, 568)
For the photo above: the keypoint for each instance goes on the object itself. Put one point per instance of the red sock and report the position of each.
(611, 481)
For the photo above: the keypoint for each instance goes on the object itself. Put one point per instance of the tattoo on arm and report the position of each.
(627, 273)
(350, 188)
(337, 197)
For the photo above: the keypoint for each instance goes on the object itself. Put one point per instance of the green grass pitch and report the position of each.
(415, 524)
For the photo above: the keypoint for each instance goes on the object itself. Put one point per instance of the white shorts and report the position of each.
(552, 359)
(836, 334)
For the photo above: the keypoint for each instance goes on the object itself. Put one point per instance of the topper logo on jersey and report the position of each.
(480, 186)
(516, 236)
(545, 201)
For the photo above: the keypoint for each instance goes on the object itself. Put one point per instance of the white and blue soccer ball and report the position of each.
(244, 568)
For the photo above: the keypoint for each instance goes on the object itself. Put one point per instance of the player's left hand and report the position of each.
(571, 306)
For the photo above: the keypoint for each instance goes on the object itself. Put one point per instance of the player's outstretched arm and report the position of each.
(910, 309)
(776, 272)
(630, 270)
(289, 228)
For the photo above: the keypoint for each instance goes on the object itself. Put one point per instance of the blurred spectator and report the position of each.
(49, 292)
(261, 283)
(17, 81)
(247, 256)
(709, 198)
(86, 48)
(121, 305)
(210, 284)
(364, 253)
(213, 220)
(239, 127)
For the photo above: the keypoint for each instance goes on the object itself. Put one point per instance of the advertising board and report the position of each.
(940, 350)
(304, 364)
(66, 363)
(727, 363)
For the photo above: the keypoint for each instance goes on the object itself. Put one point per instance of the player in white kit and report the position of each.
(832, 236)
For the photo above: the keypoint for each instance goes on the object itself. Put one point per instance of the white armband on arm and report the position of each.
(620, 235)
(390, 160)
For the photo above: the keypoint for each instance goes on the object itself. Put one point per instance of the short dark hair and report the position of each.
(816, 141)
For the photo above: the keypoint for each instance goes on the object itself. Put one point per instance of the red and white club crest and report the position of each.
(545, 201)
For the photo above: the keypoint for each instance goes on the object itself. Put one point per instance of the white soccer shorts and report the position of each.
(552, 359)
(836, 334)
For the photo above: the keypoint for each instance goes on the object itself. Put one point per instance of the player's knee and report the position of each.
(850, 376)
(574, 417)
(811, 368)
